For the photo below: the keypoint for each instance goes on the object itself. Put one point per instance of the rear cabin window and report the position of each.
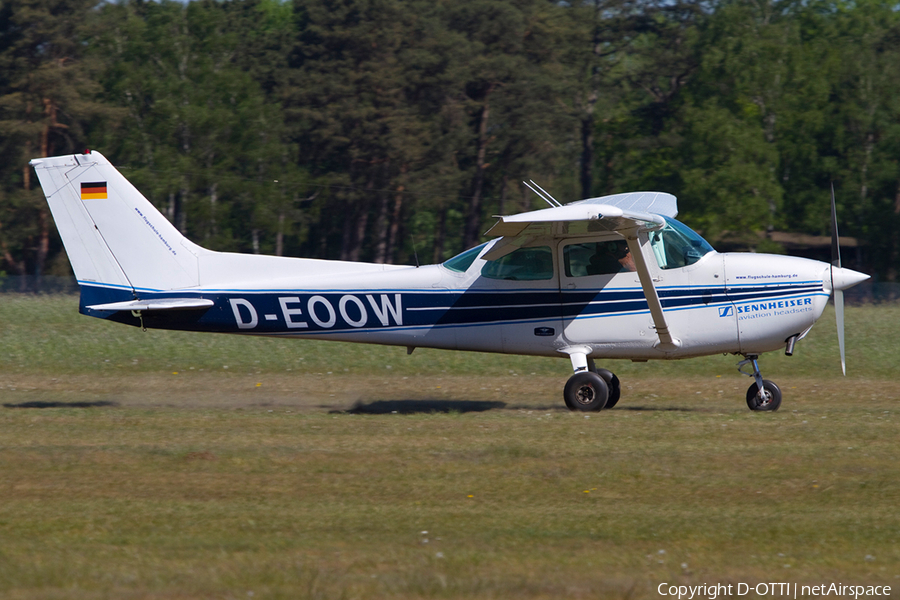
(524, 264)
(461, 262)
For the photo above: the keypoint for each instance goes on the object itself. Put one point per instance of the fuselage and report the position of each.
(720, 303)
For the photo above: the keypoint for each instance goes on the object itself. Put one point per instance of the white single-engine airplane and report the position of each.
(602, 278)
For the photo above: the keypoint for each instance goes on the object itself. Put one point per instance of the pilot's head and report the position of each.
(618, 248)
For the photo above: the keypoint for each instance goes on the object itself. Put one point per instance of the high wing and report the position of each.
(644, 210)
(658, 203)
(625, 214)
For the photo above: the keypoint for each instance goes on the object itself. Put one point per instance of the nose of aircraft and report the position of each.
(842, 278)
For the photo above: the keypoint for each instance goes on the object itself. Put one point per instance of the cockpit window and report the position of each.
(524, 264)
(461, 262)
(597, 258)
(677, 245)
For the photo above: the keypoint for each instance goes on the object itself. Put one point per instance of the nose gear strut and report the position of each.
(763, 394)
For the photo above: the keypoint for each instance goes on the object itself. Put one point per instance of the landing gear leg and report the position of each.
(762, 394)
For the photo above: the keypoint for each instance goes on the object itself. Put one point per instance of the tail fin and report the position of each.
(113, 235)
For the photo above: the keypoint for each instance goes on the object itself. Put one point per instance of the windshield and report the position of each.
(677, 245)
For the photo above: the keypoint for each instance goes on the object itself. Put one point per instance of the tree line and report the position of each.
(392, 130)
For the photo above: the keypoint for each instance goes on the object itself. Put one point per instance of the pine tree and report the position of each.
(46, 95)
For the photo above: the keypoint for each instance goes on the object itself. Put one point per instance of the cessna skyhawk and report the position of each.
(615, 277)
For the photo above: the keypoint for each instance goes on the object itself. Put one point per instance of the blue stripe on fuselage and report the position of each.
(320, 311)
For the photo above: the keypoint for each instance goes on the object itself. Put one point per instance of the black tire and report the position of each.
(586, 391)
(770, 400)
(612, 382)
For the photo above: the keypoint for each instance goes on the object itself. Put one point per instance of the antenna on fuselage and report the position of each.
(415, 252)
(543, 194)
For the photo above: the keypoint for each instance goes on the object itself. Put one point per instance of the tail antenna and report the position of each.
(542, 194)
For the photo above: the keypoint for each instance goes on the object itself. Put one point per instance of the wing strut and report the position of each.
(666, 341)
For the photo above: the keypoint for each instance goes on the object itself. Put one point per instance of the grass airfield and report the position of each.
(167, 465)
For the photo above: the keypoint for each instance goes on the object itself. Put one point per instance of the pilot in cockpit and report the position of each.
(611, 257)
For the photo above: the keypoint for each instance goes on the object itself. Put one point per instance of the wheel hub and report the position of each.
(585, 394)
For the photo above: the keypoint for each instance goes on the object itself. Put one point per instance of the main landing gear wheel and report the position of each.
(586, 391)
(769, 399)
(612, 382)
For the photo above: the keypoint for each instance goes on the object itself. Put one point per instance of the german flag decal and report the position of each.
(93, 191)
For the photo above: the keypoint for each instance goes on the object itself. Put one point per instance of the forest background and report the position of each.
(392, 130)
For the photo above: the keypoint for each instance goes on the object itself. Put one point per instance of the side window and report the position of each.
(597, 258)
(577, 258)
(461, 262)
(524, 264)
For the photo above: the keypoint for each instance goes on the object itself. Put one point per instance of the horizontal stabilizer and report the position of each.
(159, 304)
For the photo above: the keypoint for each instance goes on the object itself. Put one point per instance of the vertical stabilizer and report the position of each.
(112, 234)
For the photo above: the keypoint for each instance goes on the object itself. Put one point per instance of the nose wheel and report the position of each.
(762, 395)
(768, 399)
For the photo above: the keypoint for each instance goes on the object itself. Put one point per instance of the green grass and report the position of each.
(45, 334)
(256, 482)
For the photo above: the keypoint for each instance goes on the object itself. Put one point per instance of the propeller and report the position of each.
(838, 292)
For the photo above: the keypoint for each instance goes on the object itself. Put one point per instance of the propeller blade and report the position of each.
(838, 293)
(839, 313)
(835, 246)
